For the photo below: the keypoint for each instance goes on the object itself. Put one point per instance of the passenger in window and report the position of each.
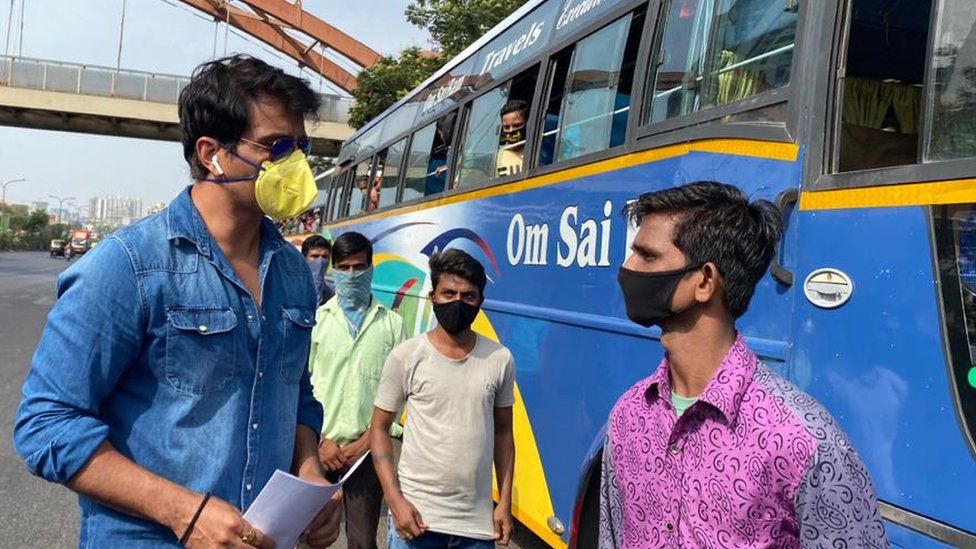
(440, 158)
(362, 183)
(373, 200)
(673, 439)
(511, 142)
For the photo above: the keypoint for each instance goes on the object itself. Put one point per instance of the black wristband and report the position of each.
(189, 527)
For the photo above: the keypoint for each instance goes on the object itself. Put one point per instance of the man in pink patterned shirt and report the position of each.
(714, 450)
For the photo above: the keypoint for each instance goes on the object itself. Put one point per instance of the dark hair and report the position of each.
(351, 243)
(458, 263)
(315, 241)
(515, 105)
(215, 102)
(717, 223)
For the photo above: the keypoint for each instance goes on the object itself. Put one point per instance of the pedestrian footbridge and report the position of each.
(54, 95)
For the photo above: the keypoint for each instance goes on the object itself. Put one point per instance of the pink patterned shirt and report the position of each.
(754, 462)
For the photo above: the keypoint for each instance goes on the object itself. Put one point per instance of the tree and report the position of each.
(453, 24)
(384, 83)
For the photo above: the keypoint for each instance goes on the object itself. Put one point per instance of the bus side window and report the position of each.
(361, 185)
(496, 130)
(337, 200)
(372, 197)
(429, 159)
(589, 92)
(880, 87)
(390, 179)
(715, 52)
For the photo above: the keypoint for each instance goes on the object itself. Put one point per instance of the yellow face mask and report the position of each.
(285, 188)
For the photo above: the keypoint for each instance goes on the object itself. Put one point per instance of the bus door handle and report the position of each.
(780, 273)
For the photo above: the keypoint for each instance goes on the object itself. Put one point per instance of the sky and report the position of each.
(163, 36)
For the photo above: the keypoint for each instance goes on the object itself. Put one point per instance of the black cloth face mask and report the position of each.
(512, 137)
(455, 316)
(647, 294)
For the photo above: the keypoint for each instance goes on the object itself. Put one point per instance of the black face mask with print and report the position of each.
(512, 137)
(647, 294)
(455, 316)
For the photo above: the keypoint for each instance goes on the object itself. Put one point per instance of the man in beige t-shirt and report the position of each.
(458, 391)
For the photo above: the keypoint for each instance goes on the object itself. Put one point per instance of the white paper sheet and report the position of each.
(287, 504)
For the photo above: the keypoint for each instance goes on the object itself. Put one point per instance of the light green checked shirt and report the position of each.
(346, 371)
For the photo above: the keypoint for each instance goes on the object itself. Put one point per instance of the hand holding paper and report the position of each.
(287, 505)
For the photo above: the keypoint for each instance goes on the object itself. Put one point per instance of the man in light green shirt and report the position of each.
(350, 341)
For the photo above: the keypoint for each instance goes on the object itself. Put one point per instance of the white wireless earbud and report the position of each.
(213, 159)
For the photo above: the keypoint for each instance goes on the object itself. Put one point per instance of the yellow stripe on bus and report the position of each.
(959, 191)
(769, 150)
(530, 493)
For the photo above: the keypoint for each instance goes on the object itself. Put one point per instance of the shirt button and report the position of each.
(202, 328)
(250, 318)
(254, 426)
(673, 449)
(264, 317)
(260, 375)
(670, 527)
(248, 487)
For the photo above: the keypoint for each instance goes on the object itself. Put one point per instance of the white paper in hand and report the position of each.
(287, 504)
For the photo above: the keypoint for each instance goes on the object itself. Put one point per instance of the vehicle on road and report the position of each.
(57, 247)
(857, 122)
(81, 241)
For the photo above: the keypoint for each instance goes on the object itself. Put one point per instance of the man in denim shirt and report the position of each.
(170, 381)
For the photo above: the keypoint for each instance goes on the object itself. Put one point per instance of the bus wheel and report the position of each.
(588, 528)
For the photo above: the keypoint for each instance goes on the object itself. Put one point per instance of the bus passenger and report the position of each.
(511, 142)
(714, 449)
(458, 390)
(352, 336)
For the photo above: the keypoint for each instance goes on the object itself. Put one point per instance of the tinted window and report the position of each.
(496, 131)
(955, 234)
(339, 198)
(953, 83)
(590, 93)
(880, 86)
(429, 159)
(361, 185)
(392, 158)
(714, 52)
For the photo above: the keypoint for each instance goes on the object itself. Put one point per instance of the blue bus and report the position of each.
(856, 117)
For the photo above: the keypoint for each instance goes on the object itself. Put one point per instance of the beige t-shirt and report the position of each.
(449, 437)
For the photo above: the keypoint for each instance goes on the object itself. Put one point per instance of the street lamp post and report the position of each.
(61, 201)
(4, 185)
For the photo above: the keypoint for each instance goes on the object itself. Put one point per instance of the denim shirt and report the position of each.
(155, 345)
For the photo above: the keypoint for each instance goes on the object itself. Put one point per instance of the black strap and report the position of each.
(189, 528)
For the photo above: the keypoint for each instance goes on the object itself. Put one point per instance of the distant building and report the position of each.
(114, 211)
(38, 206)
(156, 208)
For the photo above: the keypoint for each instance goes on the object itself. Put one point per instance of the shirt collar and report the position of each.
(184, 221)
(727, 387)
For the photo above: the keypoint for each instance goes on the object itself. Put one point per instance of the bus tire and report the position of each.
(588, 527)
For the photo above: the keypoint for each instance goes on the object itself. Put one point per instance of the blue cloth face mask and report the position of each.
(354, 292)
(318, 265)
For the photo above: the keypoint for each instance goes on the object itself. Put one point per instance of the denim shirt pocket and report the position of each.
(201, 349)
(296, 335)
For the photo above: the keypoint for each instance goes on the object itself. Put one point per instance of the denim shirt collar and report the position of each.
(184, 221)
(724, 392)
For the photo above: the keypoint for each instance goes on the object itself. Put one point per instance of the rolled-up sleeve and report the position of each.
(93, 334)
